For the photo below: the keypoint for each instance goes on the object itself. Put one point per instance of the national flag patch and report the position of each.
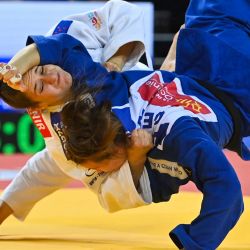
(62, 27)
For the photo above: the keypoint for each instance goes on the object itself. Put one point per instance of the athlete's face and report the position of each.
(48, 85)
(111, 164)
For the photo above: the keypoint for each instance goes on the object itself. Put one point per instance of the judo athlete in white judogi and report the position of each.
(192, 113)
(103, 31)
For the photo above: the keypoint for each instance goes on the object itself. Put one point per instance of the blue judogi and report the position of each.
(190, 125)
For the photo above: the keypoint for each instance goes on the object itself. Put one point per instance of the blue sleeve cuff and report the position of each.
(49, 49)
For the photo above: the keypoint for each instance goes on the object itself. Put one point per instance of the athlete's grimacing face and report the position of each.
(48, 85)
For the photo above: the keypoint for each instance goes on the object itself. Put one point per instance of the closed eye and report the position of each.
(41, 86)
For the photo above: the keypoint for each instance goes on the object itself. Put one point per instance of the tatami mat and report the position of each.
(72, 219)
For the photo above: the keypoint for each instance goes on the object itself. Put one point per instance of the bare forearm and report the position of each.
(122, 55)
(136, 171)
(26, 58)
(169, 62)
(5, 211)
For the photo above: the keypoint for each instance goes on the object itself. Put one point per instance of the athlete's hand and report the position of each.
(11, 76)
(141, 143)
(5, 211)
(112, 66)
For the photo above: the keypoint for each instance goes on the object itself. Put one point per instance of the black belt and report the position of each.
(235, 142)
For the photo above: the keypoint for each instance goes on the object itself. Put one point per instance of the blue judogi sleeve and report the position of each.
(212, 173)
(70, 54)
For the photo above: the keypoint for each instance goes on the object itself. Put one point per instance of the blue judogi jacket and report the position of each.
(190, 125)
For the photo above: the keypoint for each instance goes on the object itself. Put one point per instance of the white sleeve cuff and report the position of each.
(118, 191)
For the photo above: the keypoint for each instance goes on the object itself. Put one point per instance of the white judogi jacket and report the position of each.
(102, 31)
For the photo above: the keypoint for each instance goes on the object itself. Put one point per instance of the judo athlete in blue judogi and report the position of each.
(190, 127)
(192, 113)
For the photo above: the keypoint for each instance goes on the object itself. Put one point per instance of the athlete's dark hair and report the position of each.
(91, 130)
(15, 98)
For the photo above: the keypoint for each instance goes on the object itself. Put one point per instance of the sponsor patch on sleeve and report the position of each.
(168, 167)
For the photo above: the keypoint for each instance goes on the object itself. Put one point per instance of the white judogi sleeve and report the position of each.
(38, 178)
(118, 191)
(103, 31)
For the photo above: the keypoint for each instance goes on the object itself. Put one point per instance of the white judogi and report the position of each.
(102, 31)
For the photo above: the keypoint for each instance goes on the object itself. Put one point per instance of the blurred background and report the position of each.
(18, 136)
(22, 18)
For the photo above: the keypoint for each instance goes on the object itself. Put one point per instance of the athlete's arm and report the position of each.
(114, 33)
(25, 59)
(118, 60)
(125, 26)
(169, 62)
(212, 173)
(129, 186)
